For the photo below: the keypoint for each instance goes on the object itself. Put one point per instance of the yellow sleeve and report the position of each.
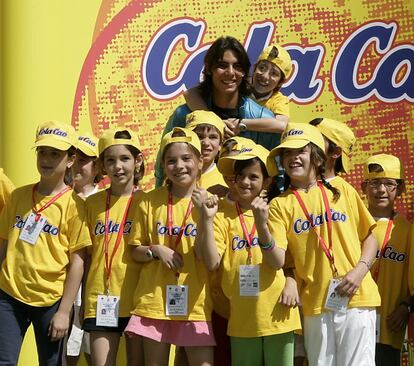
(139, 234)
(277, 224)
(78, 230)
(278, 104)
(411, 262)
(365, 221)
(6, 188)
(220, 233)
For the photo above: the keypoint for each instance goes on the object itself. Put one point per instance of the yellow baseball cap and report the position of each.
(201, 117)
(240, 143)
(108, 139)
(277, 55)
(391, 165)
(183, 135)
(88, 144)
(297, 135)
(59, 135)
(225, 164)
(341, 135)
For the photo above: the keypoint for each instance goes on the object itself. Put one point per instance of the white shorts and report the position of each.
(341, 339)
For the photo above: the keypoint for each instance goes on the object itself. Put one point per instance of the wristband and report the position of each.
(153, 254)
(366, 263)
(242, 126)
(150, 254)
(268, 246)
(407, 305)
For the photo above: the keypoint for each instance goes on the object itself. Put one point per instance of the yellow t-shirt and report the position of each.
(6, 188)
(125, 271)
(393, 273)
(212, 178)
(250, 316)
(277, 103)
(221, 303)
(151, 229)
(35, 274)
(352, 223)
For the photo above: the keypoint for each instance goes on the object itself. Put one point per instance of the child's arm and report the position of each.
(3, 250)
(274, 125)
(206, 242)
(59, 325)
(170, 258)
(290, 293)
(194, 100)
(398, 319)
(274, 256)
(352, 280)
(207, 206)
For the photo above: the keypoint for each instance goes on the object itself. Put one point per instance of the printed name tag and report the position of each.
(177, 300)
(32, 228)
(107, 310)
(249, 280)
(334, 301)
(378, 328)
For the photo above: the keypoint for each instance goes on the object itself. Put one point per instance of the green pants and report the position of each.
(258, 351)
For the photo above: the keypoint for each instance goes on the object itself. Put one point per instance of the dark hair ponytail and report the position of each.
(317, 155)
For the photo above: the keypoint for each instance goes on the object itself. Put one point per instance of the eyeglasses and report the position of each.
(390, 186)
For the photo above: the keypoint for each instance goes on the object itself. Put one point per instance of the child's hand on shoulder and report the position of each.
(59, 326)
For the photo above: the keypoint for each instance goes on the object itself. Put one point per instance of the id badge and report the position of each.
(107, 311)
(378, 328)
(334, 301)
(32, 228)
(249, 280)
(177, 300)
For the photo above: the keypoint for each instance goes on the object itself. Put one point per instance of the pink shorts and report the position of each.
(178, 332)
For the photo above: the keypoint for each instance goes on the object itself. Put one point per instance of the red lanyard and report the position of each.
(109, 260)
(170, 221)
(248, 236)
(384, 246)
(48, 203)
(328, 251)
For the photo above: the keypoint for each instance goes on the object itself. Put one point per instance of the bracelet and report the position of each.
(366, 263)
(152, 253)
(268, 246)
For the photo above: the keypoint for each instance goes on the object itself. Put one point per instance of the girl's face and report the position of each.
(210, 143)
(227, 74)
(84, 170)
(120, 165)
(266, 77)
(52, 163)
(250, 182)
(298, 166)
(181, 165)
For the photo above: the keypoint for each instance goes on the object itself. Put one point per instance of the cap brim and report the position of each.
(225, 165)
(346, 163)
(59, 145)
(289, 144)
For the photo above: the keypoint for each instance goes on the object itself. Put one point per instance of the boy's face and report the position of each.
(266, 77)
(381, 193)
(210, 143)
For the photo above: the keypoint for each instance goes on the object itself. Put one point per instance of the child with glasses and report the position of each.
(383, 184)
